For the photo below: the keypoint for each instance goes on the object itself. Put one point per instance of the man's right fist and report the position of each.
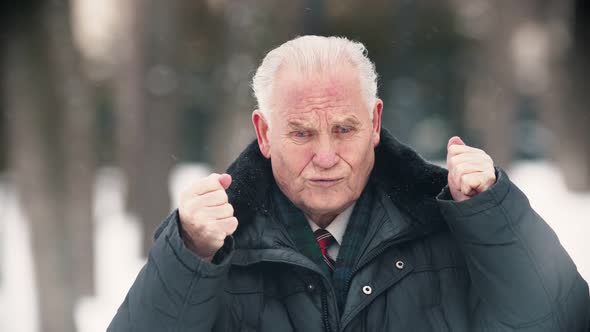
(206, 217)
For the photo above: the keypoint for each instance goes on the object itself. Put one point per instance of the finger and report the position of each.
(220, 212)
(454, 183)
(455, 190)
(455, 140)
(471, 154)
(207, 184)
(225, 180)
(473, 183)
(212, 198)
(455, 150)
(465, 164)
(214, 236)
(228, 225)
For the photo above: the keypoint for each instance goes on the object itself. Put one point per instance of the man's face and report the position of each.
(321, 141)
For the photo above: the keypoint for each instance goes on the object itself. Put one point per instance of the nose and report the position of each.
(325, 153)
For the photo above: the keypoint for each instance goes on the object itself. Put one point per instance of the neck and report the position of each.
(322, 220)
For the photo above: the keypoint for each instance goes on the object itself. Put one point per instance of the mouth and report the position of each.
(325, 182)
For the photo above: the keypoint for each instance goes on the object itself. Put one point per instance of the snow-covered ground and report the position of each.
(118, 237)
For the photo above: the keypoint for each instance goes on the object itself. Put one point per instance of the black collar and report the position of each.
(407, 179)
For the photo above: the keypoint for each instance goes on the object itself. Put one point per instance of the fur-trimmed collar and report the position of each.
(409, 181)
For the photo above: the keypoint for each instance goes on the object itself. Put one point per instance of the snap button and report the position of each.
(399, 265)
(367, 290)
(310, 288)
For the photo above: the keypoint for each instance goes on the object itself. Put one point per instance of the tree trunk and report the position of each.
(33, 124)
(491, 92)
(128, 101)
(146, 108)
(566, 102)
(161, 107)
(78, 140)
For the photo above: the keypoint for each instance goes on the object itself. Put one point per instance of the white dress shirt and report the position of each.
(337, 228)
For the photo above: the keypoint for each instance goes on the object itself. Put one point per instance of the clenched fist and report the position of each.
(206, 217)
(471, 170)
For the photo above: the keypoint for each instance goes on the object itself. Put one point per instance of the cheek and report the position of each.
(292, 160)
(356, 155)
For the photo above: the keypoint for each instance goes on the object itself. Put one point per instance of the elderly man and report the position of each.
(327, 223)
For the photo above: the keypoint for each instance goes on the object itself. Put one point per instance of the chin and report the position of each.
(325, 205)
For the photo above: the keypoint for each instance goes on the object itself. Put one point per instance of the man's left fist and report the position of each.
(471, 170)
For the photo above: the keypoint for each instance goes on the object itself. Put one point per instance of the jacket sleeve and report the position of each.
(522, 278)
(175, 290)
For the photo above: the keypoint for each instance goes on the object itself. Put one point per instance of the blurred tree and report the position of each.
(75, 98)
(162, 108)
(201, 53)
(537, 52)
(50, 125)
(229, 130)
(549, 44)
(313, 17)
(129, 113)
(490, 89)
(250, 31)
(569, 115)
(146, 107)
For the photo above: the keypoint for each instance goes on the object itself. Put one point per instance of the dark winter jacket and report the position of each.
(428, 264)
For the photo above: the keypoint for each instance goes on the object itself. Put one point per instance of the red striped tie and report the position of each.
(324, 239)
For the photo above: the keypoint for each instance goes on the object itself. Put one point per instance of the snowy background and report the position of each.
(117, 242)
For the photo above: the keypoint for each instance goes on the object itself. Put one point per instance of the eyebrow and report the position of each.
(295, 124)
(347, 121)
(350, 120)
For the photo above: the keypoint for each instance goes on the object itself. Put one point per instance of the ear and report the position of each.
(377, 110)
(262, 133)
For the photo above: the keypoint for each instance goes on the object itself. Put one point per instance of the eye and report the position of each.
(300, 134)
(343, 130)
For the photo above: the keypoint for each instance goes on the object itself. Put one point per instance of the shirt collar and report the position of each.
(338, 226)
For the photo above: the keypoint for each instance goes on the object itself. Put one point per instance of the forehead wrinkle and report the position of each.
(297, 88)
(314, 98)
(344, 119)
(308, 101)
(299, 123)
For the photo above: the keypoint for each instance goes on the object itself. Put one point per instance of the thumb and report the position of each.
(455, 140)
(225, 180)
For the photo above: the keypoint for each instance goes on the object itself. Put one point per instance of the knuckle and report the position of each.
(219, 196)
(475, 181)
(224, 196)
(198, 217)
(218, 236)
(213, 177)
(197, 202)
(451, 163)
(466, 179)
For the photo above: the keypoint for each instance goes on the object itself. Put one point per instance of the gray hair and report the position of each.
(312, 54)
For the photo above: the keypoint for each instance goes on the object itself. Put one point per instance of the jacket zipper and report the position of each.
(323, 290)
(325, 319)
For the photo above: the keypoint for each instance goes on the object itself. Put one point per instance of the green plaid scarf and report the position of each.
(300, 232)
